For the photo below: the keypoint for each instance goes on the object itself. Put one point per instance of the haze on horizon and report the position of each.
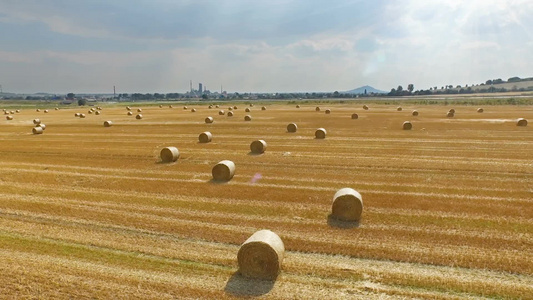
(260, 46)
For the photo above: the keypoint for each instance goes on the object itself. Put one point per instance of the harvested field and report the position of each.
(90, 212)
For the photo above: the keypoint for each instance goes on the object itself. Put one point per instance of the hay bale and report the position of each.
(347, 205)
(399, 108)
(230, 108)
(9, 118)
(480, 110)
(230, 114)
(37, 110)
(320, 133)
(452, 111)
(210, 106)
(251, 105)
(6, 112)
(57, 108)
(355, 116)
(41, 125)
(139, 110)
(170, 106)
(365, 107)
(12, 112)
(93, 109)
(221, 112)
(521, 122)
(247, 118)
(292, 127)
(108, 124)
(17, 111)
(205, 137)
(328, 111)
(99, 108)
(209, 120)
(169, 154)
(258, 146)
(139, 116)
(263, 108)
(90, 112)
(128, 108)
(77, 114)
(317, 108)
(235, 107)
(97, 113)
(261, 256)
(82, 116)
(415, 113)
(185, 108)
(297, 106)
(217, 106)
(223, 171)
(160, 106)
(193, 110)
(130, 113)
(407, 125)
(247, 110)
(46, 111)
(37, 130)
(36, 121)
(450, 114)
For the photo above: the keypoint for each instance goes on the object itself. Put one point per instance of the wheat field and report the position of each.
(90, 212)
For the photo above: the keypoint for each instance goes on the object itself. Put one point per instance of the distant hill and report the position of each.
(361, 90)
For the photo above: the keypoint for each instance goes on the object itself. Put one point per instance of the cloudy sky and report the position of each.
(150, 46)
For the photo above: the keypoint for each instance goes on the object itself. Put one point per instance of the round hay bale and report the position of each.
(128, 108)
(169, 154)
(41, 125)
(139, 110)
(258, 146)
(263, 108)
(193, 110)
(108, 124)
(521, 122)
(46, 111)
(328, 111)
(355, 116)
(12, 112)
(93, 109)
(217, 106)
(297, 106)
(221, 112)
(230, 108)
(77, 114)
(452, 111)
(82, 116)
(90, 112)
(407, 125)
(170, 106)
(205, 137)
(130, 113)
(399, 108)
(160, 106)
(251, 105)
(9, 118)
(235, 107)
(210, 106)
(261, 255)
(365, 107)
(57, 108)
(247, 109)
(347, 205)
(17, 111)
(37, 110)
(99, 108)
(36, 121)
(230, 114)
(480, 110)
(209, 120)
(320, 133)
(247, 118)
(292, 127)
(6, 112)
(317, 108)
(450, 114)
(415, 113)
(139, 116)
(185, 108)
(223, 171)
(37, 130)
(97, 113)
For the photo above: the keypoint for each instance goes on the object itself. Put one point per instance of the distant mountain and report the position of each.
(361, 90)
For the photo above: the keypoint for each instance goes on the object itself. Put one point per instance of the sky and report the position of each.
(147, 46)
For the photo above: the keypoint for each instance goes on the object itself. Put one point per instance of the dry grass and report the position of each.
(448, 206)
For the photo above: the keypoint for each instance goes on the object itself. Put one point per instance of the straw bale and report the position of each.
(139, 116)
(365, 107)
(258, 146)
(169, 154)
(9, 118)
(328, 111)
(247, 109)
(217, 106)
(399, 108)
(247, 118)
(97, 113)
(160, 106)
(130, 113)
(57, 108)
(251, 105)
(230, 114)
(355, 116)
(347, 205)
(415, 113)
(205, 137)
(317, 108)
(82, 116)
(41, 125)
(37, 110)
(139, 110)
(90, 112)
(450, 114)
(223, 171)
(452, 111)
(221, 112)
(193, 110)
(297, 106)
(521, 122)
(36, 121)
(292, 127)
(128, 108)
(230, 108)
(185, 108)
(77, 114)
(108, 124)
(320, 133)
(407, 125)
(37, 130)
(235, 107)
(263, 108)
(261, 256)
(480, 110)
(209, 120)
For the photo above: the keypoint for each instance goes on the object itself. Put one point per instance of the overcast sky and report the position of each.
(59, 46)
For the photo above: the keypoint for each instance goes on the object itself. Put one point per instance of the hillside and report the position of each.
(361, 90)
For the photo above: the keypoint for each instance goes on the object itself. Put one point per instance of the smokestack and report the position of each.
(114, 92)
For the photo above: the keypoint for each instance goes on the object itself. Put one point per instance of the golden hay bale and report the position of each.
(217, 106)
(37, 130)
(521, 122)
(399, 108)
(292, 127)
(82, 116)
(130, 113)
(263, 108)
(170, 106)
(57, 108)
(247, 109)
(37, 110)
(355, 116)
(230, 114)
(317, 108)
(108, 124)
(235, 107)
(210, 106)
(320, 133)
(221, 112)
(9, 118)
(347, 205)
(230, 108)
(139, 116)
(46, 111)
(185, 108)
(36, 121)
(99, 108)
(415, 113)
(193, 110)
(261, 255)
(169, 154)
(205, 137)
(407, 125)
(450, 114)
(160, 106)
(251, 105)
(297, 106)
(128, 108)
(247, 118)
(365, 107)
(223, 171)
(12, 112)
(90, 112)
(328, 111)
(452, 111)
(209, 120)
(41, 125)
(480, 110)
(6, 112)
(97, 113)
(17, 111)
(139, 110)
(76, 114)
(93, 109)
(258, 146)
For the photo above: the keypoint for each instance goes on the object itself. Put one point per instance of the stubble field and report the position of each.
(91, 212)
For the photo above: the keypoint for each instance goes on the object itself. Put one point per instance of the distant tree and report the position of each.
(459, 86)
(488, 82)
(82, 102)
(410, 87)
(204, 96)
(70, 96)
(435, 88)
(399, 89)
(513, 79)
(392, 92)
(497, 81)
(336, 94)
